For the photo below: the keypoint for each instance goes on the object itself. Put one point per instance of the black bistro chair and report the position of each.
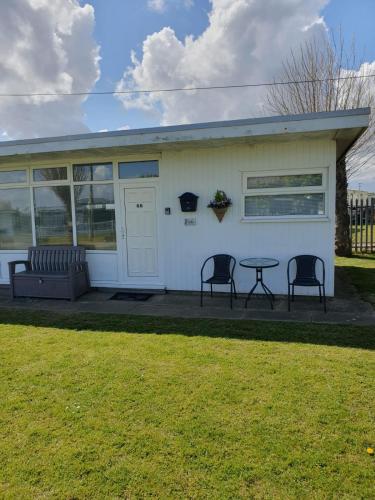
(306, 276)
(223, 268)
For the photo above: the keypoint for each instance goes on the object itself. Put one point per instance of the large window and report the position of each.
(53, 215)
(95, 216)
(284, 204)
(286, 194)
(58, 205)
(15, 219)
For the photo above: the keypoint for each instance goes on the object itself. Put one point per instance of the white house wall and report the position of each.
(204, 171)
(182, 249)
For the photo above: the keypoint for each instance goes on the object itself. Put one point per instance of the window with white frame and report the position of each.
(95, 206)
(296, 194)
(15, 219)
(52, 205)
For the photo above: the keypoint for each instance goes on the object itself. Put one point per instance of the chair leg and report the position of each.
(231, 295)
(288, 297)
(292, 293)
(324, 298)
(211, 289)
(201, 293)
(320, 295)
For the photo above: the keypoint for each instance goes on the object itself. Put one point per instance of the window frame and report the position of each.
(26, 187)
(53, 182)
(322, 189)
(26, 183)
(103, 181)
(95, 183)
(138, 179)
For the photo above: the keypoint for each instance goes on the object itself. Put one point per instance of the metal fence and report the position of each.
(361, 215)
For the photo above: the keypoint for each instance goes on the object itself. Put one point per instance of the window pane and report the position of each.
(284, 204)
(50, 174)
(95, 216)
(15, 219)
(13, 176)
(93, 172)
(280, 181)
(138, 169)
(53, 215)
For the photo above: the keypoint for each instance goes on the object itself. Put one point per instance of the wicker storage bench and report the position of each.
(59, 272)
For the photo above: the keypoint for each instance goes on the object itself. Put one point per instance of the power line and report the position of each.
(186, 89)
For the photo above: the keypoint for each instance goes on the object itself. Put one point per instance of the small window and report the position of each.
(138, 169)
(284, 204)
(93, 172)
(284, 181)
(50, 174)
(13, 177)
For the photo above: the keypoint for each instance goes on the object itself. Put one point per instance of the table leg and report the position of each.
(267, 291)
(268, 294)
(250, 294)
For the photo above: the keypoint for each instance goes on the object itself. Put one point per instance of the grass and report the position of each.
(129, 407)
(360, 269)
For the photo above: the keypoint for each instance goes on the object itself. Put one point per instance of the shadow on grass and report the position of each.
(362, 337)
(362, 278)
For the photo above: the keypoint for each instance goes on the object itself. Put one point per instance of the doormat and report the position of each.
(131, 296)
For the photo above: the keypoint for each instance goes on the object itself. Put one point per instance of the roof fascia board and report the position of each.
(259, 127)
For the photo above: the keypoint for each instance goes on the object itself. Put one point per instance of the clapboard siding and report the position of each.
(204, 171)
(182, 249)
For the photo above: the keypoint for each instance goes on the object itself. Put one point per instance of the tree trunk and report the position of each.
(343, 243)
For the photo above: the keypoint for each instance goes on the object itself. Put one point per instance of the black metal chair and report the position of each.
(223, 268)
(306, 276)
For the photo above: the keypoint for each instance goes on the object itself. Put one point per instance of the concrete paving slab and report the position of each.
(347, 309)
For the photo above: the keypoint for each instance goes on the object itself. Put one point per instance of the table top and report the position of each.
(258, 262)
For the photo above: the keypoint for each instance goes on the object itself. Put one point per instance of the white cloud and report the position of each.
(45, 46)
(162, 5)
(157, 5)
(244, 42)
(124, 127)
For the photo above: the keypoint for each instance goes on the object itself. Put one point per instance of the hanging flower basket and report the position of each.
(220, 204)
(220, 212)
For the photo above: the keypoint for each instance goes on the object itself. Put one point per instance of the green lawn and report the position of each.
(130, 407)
(360, 270)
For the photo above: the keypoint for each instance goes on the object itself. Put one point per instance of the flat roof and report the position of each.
(343, 125)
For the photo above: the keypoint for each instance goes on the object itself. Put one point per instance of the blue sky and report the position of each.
(78, 46)
(122, 25)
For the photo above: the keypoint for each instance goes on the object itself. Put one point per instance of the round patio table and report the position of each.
(260, 263)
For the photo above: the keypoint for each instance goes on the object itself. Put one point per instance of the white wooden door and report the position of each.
(140, 229)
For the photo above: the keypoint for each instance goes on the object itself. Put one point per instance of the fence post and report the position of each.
(372, 225)
(350, 208)
(361, 226)
(366, 225)
(356, 226)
